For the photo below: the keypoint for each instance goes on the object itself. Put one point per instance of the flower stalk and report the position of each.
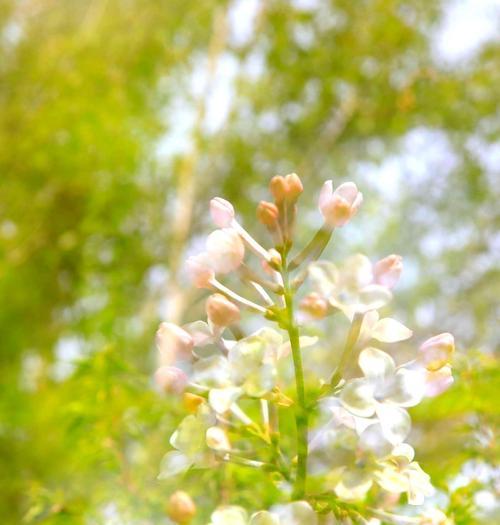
(301, 415)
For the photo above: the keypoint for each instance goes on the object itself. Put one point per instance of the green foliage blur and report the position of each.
(119, 119)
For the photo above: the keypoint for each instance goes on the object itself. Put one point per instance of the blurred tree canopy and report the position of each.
(119, 119)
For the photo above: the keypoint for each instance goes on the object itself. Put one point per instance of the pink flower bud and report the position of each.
(338, 206)
(222, 212)
(387, 271)
(294, 186)
(437, 382)
(268, 214)
(171, 380)
(436, 352)
(286, 188)
(225, 250)
(181, 508)
(199, 270)
(173, 343)
(315, 305)
(221, 311)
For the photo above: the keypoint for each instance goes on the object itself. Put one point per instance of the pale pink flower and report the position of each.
(337, 207)
(200, 271)
(171, 379)
(387, 271)
(221, 311)
(222, 212)
(437, 351)
(225, 250)
(173, 342)
(438, 381)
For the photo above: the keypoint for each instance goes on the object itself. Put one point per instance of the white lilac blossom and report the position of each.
(349, 288)
(348, 446)
(295, 513)
(385, 392)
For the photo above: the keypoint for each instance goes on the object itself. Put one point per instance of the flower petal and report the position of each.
(348, 191)
(376, 365)
(407, 388)
(353, 485)
(189, 437)
(395, 422)
(389, 330)
(173, 463)
(374, 441)
(419, 484)
(264, 518)
(356, 272)
(391, 479)
(437, 382)
(230, 515)
(221, 399)
(295, 513)
(374, 296)
(212, 372)
(357, 397)
(324, 276)
(216, 439)
(404, 450)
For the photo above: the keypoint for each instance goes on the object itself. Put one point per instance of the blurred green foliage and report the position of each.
(96, 170)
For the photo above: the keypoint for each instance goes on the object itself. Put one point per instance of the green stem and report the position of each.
(301, 413)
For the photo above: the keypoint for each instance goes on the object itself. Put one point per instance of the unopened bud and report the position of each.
(191, 402)
(294, 185)
(315, 305)
(268, 214)
(221, 311)
(173, 342)
(222, 212)
(200, 271)
(181, 507)
(216, 438)
(225, 250)
(337, 207)
(286, 188)
(437, 351)
(171, 380)
(387, 271)
(274, 259)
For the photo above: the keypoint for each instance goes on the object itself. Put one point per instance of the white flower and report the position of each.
(347, 448)
(189, 442)
(349, 288)
(384, 391)
(401, 474)
(295, 513)
(435, 517)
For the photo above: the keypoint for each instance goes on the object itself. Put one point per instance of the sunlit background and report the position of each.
(120, 119)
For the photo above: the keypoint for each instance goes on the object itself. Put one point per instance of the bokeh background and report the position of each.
(119, 119)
